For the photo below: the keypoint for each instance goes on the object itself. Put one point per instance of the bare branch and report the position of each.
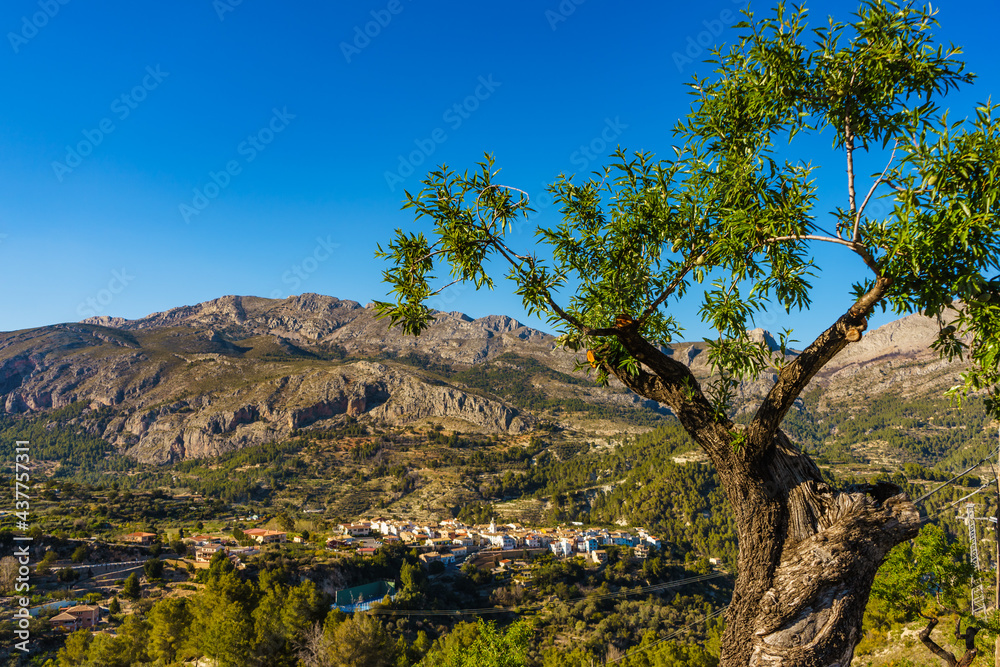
(444, 287)
(498, 186)
(444, 251)
(857, 247)
(925, 638)
(864, 204)
(505, 250)
(668, 290)
(808, 237)
(509, 254)
(566, 316)
(849, 146)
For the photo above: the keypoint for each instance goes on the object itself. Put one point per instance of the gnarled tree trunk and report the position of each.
(808, 556)
(947, 656)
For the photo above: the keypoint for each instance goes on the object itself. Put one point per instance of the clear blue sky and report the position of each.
(154, 155)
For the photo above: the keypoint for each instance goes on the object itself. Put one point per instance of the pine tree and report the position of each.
(131, 589)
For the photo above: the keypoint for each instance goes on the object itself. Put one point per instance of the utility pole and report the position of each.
(976, 591)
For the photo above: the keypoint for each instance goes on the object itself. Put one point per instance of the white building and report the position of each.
(502, 541)
(562, 548)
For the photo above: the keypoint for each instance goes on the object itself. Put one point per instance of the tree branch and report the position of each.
(849, 147)
(793, 378)
(925, 638)
(444, 287)
(669, 289)
(589, 331)
(664, 295)
(970, 642)
(881, 179)
(809, 237)
(495, 213)
(857, 247)
(509, 255)
(672, 383)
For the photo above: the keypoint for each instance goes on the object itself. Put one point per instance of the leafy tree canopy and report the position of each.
(727, 210)
(132, 590)
(930, 569)
(734, 218)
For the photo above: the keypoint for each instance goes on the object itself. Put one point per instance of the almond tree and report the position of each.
(929, 577)
(727, 219)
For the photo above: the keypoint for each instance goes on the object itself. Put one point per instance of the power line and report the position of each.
(950, 505)
(507, 610)
(932, 492)
(672, 635)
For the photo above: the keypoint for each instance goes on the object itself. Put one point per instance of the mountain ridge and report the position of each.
(237, 371)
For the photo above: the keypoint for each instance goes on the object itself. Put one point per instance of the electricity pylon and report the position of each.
(978, 594)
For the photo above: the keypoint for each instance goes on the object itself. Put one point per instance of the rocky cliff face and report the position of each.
(238, 371)
(236, 417)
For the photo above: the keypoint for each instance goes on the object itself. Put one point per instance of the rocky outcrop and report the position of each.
(450, 402)
(356, 406)
(14, 371)
(764, 337)
(230, 415)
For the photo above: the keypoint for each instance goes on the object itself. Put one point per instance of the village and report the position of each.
(451, 541)
(448, 542)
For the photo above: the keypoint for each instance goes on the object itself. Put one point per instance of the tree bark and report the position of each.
(925, 638)
(808, 556)
(970, 642)
(808, 553)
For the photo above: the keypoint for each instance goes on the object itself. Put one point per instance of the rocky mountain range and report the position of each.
(237, 371)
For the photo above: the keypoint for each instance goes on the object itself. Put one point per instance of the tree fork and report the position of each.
(947, 656)
(808, 552)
